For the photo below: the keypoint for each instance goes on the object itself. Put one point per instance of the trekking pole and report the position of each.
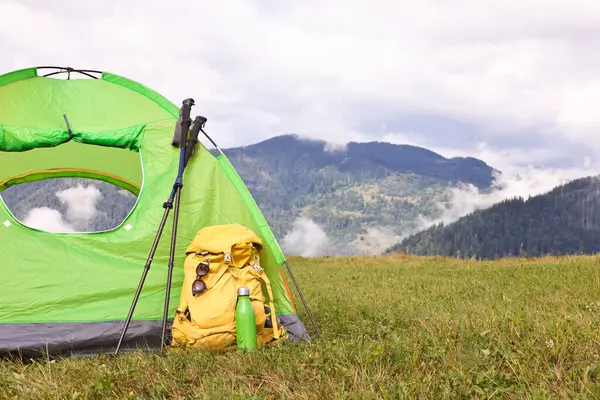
(286, 263)
(193, 140)
(212, 141)
(182, 127)
(302, 298)
(187, 149)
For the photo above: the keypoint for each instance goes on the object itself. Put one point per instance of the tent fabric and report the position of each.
(126, 165)
(74, 290)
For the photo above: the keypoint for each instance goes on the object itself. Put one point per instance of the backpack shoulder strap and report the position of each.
(262, 275)
(265, 279)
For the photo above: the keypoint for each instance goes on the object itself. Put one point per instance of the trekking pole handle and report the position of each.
(186, 109)
(190, 147)
(198, 124)
(186, 121)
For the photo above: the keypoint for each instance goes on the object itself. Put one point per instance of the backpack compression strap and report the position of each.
(265, 279)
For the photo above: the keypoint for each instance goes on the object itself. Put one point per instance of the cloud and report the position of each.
(48, 220)
(328, 147)
(330, 71)
(81, 209)
(514, 83)
(375, 240)
(307, 239)
(335, 147)
(519, 182)
(81, 203)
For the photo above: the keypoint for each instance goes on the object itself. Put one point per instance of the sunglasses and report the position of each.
(199, 285)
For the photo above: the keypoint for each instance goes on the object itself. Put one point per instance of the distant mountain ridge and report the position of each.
(565, 220)
(380, 157)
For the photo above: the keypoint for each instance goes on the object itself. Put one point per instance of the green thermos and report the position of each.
(245, 321)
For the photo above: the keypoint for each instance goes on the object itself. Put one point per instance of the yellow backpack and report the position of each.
(219, 260)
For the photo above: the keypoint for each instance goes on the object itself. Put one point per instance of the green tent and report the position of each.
(71, 292)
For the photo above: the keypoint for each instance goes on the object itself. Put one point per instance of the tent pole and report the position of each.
(185, 122)
(302, 298)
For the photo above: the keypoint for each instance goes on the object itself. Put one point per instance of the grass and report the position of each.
(391, 327)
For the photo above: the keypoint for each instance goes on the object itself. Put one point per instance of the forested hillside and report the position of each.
(565, 220)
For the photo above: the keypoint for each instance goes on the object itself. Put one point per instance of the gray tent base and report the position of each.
(81, 339)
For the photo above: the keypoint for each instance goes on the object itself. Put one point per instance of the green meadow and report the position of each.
(390, 327)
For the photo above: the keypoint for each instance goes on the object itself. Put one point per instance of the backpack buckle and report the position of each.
(257, 268)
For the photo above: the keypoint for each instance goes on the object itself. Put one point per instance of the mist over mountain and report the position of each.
(565, 220)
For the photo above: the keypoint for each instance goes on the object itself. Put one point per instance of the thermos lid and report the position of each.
(244, 291)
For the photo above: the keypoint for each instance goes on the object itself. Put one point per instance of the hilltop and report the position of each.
(566, 220)
(289, 156)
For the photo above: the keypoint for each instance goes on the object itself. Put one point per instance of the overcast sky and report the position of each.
(513, 82)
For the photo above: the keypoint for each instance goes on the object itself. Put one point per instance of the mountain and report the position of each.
(363, 195)
(290, 156)
(566, 220)
(359, 198)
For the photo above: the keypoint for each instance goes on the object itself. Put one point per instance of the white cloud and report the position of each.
(48, 220)
(81, 208)
(375, 240)
(520, 182)
(330, 70)
(81, 203)
(258, 69)
(307, 239)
